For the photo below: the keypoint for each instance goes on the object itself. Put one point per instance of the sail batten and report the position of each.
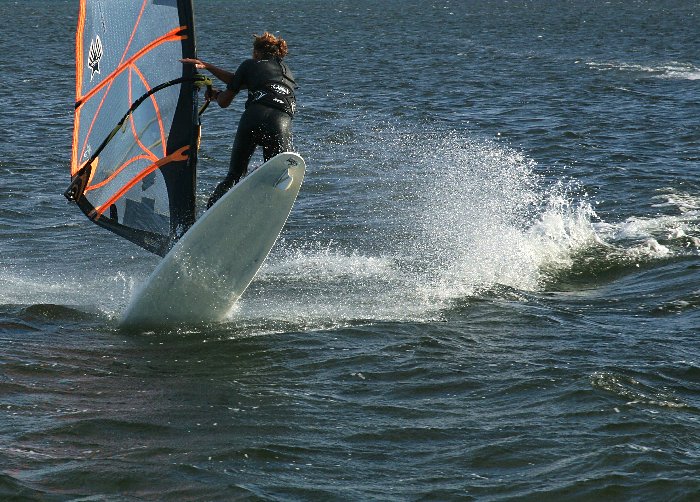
(136, 126)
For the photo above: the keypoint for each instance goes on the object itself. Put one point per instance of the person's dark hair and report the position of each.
(268, 45)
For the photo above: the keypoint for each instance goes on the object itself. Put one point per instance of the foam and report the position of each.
(673, 70)
(477, 216)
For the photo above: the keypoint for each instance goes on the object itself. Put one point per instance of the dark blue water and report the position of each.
(488, 289)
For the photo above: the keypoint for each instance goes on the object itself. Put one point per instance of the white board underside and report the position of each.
(209, 268)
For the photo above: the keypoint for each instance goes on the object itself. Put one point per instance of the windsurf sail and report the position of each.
(136, 124)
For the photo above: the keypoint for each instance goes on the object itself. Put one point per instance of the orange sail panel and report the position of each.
(136, 112)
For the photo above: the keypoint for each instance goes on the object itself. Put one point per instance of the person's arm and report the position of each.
(224, 98)
(224, 75)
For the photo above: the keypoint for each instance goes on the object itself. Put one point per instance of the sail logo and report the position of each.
(94, 56)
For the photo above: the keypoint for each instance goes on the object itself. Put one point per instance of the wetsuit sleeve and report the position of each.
(240, 80)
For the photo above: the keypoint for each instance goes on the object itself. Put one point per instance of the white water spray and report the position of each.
(471, 215)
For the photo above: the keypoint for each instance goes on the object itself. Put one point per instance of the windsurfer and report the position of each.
(267, 119)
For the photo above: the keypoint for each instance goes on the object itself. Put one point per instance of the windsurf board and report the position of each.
(209, 268)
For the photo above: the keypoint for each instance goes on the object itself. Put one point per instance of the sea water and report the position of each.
(488, 288)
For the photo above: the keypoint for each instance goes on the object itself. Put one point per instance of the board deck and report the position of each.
(209, 268)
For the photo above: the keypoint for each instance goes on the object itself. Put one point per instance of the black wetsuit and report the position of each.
(267, 119)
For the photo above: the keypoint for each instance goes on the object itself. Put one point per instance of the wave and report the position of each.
(635, 392)
(12, 488)
(672, 70)
(453, 217)
(410, 222)
(65, 294)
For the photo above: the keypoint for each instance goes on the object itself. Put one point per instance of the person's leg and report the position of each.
(277, 134)
(243, 149)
